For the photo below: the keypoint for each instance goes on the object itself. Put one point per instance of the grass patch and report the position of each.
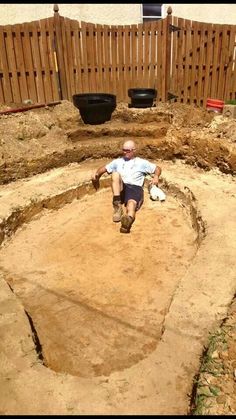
(204, 391)
(231, 102)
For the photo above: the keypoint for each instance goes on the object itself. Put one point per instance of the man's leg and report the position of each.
(131, 208)
(128, 219)
(133, 199)
(117, 187)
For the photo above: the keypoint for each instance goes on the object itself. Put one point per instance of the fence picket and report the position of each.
(127, 58)
(121, 84)
(66, 53)
(174, 66)
(152, 55)
(45, 60)
(179, 59)
(2, 100)
(233, 66)
(28, 59)
(12, 63)
(37, 63)
(230, 65)
(201, 64)
(53, 65)
(133, 55)
(68, 33)
(76, 53)
(91, 57)
(57, 22)
(216, 54)
(6, 84)
(114, 59)
(140, 55)
(223, 60)
(17, 40)
(207, 81)
(195, 68)
(99, 52)
(84, 57)
(159, 59)
(187, 64)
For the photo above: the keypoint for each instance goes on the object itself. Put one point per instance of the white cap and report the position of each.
(156, 194)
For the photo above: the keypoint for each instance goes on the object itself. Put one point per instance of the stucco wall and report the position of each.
(115, 14)
(212, 13)
(110, 14)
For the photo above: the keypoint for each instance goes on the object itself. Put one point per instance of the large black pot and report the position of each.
(142, 97)
(95, 108)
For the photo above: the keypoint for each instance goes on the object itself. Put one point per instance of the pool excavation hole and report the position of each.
(97, 300)
(95, 321)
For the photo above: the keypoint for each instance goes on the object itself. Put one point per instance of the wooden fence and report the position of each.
(203, 61)
(53, 58)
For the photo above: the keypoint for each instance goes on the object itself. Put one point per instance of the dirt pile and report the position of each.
(37, 140)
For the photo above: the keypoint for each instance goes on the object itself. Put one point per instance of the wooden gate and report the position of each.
(202, 61)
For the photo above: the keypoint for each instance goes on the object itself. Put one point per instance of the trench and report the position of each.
(96, 299)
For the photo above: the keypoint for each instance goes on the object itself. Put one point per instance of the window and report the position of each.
(151, 12)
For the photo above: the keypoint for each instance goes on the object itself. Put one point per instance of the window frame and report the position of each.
(154, 17)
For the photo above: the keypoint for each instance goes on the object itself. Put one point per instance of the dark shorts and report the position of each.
(132, 192)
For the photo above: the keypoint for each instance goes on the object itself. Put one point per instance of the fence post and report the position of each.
(167, 64)
(58, 55)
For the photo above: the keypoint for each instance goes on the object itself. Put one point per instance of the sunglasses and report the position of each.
(128, 150)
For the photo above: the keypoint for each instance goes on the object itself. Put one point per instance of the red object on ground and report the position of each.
(27, 108)
(215, 105)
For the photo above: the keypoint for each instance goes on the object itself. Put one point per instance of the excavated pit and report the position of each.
(119, 321)
(98, 299)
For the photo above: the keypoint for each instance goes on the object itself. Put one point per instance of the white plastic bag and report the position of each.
(156, 194)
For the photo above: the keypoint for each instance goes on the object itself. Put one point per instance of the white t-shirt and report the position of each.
(132, 171)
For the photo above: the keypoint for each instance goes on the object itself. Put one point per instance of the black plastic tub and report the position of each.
(95, 108)
(142, 97)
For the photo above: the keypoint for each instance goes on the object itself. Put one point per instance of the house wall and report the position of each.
(212, 13)
(110, 14)
(115, 14)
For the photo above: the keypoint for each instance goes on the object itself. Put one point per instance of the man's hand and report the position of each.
(154, 181)
(95, 181)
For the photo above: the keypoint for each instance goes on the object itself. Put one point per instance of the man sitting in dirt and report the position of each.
(127, 173)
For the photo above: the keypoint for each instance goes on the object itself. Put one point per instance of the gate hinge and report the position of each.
(173, 28)
(171, 96)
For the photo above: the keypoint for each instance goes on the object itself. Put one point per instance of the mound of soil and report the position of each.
(36, 140)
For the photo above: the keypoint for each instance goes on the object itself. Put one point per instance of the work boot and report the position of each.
(126, 223)
(118, 211)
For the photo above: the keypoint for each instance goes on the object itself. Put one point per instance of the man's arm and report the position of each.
(155, 179)
(96, 176)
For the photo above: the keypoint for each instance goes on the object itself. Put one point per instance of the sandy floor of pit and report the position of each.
(146, 326)
(98, 298)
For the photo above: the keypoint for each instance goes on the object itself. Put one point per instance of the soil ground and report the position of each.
(78, 278)
(64, 256)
